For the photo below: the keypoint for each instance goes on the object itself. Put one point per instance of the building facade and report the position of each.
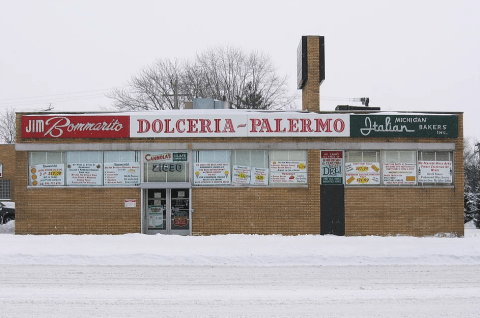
(221, 171)
(204, 172)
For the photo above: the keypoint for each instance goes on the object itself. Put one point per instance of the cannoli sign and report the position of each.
(440, 126)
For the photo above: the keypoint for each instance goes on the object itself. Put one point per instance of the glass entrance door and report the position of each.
(167, 211)
(155, 219)
(180, 211)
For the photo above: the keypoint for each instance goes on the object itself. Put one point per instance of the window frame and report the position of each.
(5, 189)
(257, 178)
(62, 158)
(418, 156)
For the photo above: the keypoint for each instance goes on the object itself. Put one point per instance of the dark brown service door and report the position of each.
(332, 209)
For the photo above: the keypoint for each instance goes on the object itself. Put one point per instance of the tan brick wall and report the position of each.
(7, 159)
(73, 210)
(287, 211)
(409, 210)
(311, 90)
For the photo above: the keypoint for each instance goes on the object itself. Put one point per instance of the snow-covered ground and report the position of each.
(236, 250)
(137, 275)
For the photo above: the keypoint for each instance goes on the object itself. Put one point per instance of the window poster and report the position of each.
(47, 175)
(362, 173)
(331, 166)
(180, 218)
(155, 216)
(121, 173)
(241, 175)
(259, 176)
(84, 174)
(1, 170)
(399, 173)
(288, 171)
(212, 173)
(435, 171)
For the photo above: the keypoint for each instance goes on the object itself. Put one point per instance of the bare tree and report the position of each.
(223, 73)
(471, 157)
(7, 126)
(152, 88)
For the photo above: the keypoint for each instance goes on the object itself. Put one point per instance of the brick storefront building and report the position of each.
(204, 172)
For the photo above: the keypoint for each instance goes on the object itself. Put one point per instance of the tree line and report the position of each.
(7, 126)
(471, 158)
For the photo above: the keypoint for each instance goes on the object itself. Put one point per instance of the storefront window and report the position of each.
(44, 157)
(288, 168)
(362, 167)
(46, 168)
(166, 166)
(399, 167)
(84, 168)
(212, 168)
(121, 168)
(435, 168)
(250, 168)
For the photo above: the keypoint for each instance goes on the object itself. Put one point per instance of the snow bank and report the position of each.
(236, 250)
(8, 228)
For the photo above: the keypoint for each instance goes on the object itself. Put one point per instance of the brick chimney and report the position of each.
(311, 70)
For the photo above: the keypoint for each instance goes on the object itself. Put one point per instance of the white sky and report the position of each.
(405, 56)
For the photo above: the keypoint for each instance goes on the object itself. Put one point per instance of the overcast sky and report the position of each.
(403, 55)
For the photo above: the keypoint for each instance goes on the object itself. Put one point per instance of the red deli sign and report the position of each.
(75, 126)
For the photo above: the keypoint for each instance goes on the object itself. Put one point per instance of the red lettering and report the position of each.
(338, 125)
(143, 126)
(293, 124)
(265, 126)
(157, 126)
(277, 125)
(255, 123)
(205, 125)
(228, 126)
(217, 125)
(179, 129)
(306, 125)
(167, 126)
(192, 125)
(321, 126)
